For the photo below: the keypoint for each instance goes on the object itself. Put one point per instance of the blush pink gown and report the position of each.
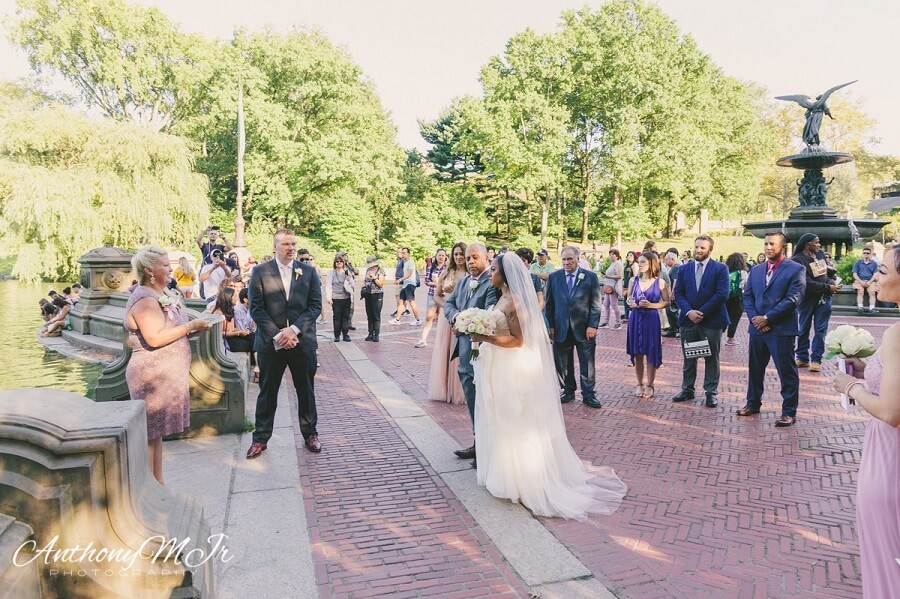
(878, 501)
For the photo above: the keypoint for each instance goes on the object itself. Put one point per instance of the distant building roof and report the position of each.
(880, 205)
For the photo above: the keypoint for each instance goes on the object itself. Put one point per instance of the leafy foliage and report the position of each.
(69, 184)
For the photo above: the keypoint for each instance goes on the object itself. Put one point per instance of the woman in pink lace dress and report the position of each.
(157, 372)
(878, 486)
(443, 384)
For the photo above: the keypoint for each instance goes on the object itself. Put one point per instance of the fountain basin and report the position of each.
(815, 160)
(830, 230)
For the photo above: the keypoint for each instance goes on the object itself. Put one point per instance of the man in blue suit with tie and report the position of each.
(572, 303)
(701, 293)
(772, 295)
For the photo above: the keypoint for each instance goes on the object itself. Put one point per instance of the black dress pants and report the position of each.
(302, 363)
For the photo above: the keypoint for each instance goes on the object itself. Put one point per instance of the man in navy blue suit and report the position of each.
(701, 293)
(772, 295)
(572, 303)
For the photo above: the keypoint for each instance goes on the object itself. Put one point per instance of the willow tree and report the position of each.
(69, 184)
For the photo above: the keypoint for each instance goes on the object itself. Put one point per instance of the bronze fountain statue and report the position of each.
(812, 214)
(815, 112)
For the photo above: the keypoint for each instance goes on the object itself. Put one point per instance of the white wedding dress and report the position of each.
(523, 452)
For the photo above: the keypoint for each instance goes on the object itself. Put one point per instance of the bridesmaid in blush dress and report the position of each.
(159, 366)
(878, 484)
(646, 296)
(444, 384)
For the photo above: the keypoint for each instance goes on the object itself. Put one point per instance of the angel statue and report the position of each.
(815, 109)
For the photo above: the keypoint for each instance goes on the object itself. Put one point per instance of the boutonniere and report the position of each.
(473, 285)
(169, 304)
(579, 278)
(298, 272)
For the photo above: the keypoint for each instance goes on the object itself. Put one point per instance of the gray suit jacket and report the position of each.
(461, 299)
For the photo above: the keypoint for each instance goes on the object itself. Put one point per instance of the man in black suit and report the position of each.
(572, 303)
(285, 298)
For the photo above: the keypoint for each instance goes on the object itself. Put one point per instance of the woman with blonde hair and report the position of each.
(444, 384)
(185, 277)
(160, 362)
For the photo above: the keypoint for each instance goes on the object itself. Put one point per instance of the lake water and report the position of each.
(25, 362)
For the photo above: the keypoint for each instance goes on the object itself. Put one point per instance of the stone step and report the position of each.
(17, 581)
(93, 342)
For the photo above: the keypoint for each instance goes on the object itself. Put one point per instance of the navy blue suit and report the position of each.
(778, 302)
(570, 316)
(709, 297)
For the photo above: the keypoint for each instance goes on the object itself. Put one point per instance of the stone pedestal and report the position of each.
(76, 474)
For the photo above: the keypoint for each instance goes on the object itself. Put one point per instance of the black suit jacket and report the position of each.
(272, 311)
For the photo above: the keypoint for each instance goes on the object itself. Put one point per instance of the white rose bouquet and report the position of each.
(478, 321)
(849, 341)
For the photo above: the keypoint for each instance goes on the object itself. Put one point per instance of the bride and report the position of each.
(523, 452)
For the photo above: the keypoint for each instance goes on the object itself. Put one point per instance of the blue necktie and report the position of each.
(570, 282)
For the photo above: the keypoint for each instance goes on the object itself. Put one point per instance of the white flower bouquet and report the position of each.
(849, 341)
(478, 321)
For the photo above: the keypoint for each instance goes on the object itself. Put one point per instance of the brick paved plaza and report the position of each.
(717, 506)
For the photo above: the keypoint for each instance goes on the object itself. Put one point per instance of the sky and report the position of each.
(420, 54)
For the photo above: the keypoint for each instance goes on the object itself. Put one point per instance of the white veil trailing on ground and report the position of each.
(551, 479)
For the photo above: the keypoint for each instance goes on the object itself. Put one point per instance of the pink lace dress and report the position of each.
(159, 376)
(878, 500)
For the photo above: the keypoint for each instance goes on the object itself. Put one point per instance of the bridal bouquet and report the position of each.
(478, 321)
(848, 341)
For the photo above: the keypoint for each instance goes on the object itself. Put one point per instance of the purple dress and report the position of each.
(644, 331)
(878, 500)
(159, 377)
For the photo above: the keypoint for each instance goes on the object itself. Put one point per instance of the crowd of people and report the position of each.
(549, 315)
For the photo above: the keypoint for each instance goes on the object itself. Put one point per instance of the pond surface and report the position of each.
(24, 361)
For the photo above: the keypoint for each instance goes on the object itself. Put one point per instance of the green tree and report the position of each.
(129, 61)
(69, 184)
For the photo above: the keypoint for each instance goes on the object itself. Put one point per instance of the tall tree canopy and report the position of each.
(69, 184)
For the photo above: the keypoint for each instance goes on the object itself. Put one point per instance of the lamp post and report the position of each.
(239, 219)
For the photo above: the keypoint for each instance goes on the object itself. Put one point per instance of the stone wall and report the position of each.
(75, 474)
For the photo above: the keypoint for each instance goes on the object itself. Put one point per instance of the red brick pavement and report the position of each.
(718, 506)
(382, 523)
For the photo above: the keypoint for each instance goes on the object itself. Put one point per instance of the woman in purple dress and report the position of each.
(646, 295)
(878, 485)
(157, 372)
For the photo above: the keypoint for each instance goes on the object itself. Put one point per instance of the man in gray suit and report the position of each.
(473, 291)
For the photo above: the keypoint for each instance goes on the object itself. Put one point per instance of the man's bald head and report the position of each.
(476, 258)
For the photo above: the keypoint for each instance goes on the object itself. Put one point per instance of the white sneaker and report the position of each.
(420, 343)
(395, 321)
(415, 323)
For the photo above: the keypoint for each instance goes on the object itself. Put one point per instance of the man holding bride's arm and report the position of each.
(473, 291)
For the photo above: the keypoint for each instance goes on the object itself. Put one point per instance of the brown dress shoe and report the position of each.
(313, 444)
(748, 410)
(466, 454)
(255, 450)
(785, 421)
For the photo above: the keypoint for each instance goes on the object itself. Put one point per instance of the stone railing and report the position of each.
(219, 382)
(74, 475)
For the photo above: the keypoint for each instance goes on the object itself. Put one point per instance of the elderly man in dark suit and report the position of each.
(701, 293)
(572, 303)
(772, 295)
(473, 291)
(285, 299)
